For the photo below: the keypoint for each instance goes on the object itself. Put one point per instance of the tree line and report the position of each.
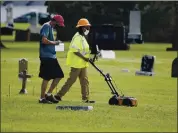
(157, 17)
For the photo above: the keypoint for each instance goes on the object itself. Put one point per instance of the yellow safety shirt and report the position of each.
(78, 44)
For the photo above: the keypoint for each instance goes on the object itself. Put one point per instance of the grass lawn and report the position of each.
(157, 95)
(20, 26)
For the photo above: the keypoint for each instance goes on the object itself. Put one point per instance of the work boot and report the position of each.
(44, 101)
(51, 98)
(88, 101)
(57, 97)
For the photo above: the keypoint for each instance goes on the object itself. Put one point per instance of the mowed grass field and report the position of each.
(157, 95)
(20, 26)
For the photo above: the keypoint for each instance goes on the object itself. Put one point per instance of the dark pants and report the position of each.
(50, 69)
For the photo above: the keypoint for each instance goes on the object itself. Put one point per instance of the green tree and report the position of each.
(157, 17)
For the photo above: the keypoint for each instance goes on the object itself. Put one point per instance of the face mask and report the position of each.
(86, 32)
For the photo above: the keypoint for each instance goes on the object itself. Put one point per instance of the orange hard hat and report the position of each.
(83, 22)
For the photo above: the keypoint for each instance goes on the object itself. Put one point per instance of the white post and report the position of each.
(37, 19)
(9, 11)
(34, 23)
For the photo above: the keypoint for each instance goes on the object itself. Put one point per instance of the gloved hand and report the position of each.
(86, 59)
(90, 60)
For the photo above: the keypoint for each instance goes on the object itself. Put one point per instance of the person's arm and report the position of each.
(46, 41)
(75, 49)
(45, 34)
(81, 56)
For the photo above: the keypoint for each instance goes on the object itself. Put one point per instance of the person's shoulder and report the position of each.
(45, 25)
(77, 35)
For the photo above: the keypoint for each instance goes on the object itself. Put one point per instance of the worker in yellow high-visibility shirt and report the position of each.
(77, 59)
